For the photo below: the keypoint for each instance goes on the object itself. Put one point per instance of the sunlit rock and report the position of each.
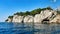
(17, 18)
(28, 19)
(46, 16)
(43, 15)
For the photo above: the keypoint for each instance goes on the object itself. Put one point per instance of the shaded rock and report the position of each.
(56, 19)
(9, 20)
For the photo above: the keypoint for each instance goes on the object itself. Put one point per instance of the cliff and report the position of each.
(44, 16)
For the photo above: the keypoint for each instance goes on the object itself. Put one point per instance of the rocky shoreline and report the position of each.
(46, 16)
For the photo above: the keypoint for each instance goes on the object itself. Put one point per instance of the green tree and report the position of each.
(19, 13)
(36, 11)
(10, 17)
(49, 8)
(26, 13)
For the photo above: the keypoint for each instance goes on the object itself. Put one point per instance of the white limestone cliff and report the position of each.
(17, 18)
(56, 19)
(38, 18)
(44, 14)
(28, 19)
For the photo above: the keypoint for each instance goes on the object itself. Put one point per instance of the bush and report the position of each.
(10, 17)
(33, 12)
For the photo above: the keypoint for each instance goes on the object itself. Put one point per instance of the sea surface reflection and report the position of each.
(28, 28)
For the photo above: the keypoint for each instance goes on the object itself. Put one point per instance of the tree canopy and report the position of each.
(33, 12)
(10, 17)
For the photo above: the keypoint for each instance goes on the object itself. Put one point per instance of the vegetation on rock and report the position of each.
(10, 17)
(33, 12)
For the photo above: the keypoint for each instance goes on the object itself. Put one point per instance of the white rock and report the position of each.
(17, 18)
(28, 19)
(42, 15)
(56, 19)
(38, 18)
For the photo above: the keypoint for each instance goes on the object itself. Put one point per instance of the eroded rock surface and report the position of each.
(45, 16)
(28, 19)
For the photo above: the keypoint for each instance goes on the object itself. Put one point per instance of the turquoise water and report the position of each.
(21, 28)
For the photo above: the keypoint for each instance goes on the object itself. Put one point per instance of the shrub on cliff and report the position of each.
(36, 11)
(19, 13)
(10, 17)
(26, 13)
(33, 12)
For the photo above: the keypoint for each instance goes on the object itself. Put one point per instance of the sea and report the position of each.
(28, 28)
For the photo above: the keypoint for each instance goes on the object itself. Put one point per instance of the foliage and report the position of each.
(26, 13)
(33, 12)
(10, 17)
(19, 13)
(36, 11)
(49, 8)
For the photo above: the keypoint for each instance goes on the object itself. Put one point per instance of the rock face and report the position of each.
(28, 19)
(56, 19)
(37, 18)
(17, 18)
(45, 16)
(9, 20)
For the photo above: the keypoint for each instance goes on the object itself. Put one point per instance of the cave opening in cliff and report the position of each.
(45, 21)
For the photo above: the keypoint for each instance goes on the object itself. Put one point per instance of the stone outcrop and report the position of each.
(17, 18)
(39, 21)
(45, 16)
(9, 20)
(56, 19)
(28, 19)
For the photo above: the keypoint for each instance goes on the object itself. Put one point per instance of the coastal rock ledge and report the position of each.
(46, 16)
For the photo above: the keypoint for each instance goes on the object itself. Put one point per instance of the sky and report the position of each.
(9, 7)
